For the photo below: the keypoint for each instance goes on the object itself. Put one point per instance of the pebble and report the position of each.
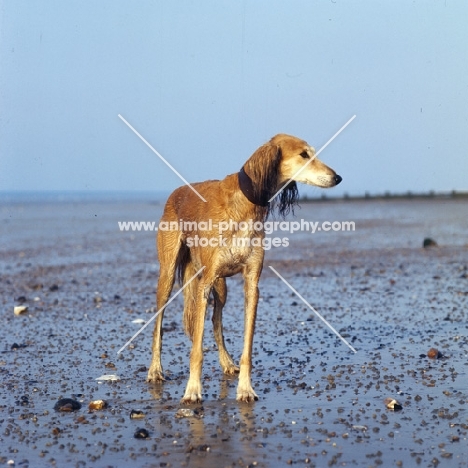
(434, 353)
(189, 413)
(16, 346)
(18, 310)
(137, 414)
(360, 428)
(184, 413)
(392, 404)
(67, 405)
(98, 405)
(141, 434)
(428, 242)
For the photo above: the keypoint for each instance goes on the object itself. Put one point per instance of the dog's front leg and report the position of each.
(165, 283)
(245, 391)
(220, 296)
(194, 387)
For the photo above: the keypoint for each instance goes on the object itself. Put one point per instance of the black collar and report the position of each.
(246, 186)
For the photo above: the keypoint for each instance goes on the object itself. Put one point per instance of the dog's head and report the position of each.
(284, 159)
(299, 163)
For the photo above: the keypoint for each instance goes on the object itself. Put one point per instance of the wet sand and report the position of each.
(320, 404)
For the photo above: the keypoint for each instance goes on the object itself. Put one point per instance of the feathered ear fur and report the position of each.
(263, 169)
(286, 200)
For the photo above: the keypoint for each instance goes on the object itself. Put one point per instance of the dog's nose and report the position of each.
(338, 179)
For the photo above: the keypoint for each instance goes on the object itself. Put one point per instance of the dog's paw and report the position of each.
(155, 376)
(191, 399)
(231, 369)
(227, 363)
(246, 396)
(192, 392)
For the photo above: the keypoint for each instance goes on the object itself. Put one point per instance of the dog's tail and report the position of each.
(185, 270)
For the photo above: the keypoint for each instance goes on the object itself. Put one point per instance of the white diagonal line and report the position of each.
(311, 159)
(160, 157)
(160, 310)
(313, 310)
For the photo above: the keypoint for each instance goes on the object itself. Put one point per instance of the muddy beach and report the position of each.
(85, 283)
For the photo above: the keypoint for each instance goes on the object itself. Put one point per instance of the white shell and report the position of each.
(111, 377)
(18, 310)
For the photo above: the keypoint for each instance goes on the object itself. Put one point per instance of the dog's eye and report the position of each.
(305, 155)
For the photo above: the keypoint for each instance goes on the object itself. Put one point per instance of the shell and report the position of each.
(97, 405)
(18, 310)
(111, 377)
(392, 404)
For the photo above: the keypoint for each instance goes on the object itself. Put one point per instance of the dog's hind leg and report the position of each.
(220, 295)
(193, 391)
(190, 294)
(168, 251)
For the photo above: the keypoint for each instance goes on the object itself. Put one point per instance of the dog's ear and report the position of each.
(263, 169)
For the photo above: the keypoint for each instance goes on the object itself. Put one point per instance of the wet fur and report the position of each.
(268, 168)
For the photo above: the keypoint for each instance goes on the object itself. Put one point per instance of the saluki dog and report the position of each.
(238, 198)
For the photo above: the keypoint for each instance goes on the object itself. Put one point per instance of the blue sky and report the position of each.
(208, 82)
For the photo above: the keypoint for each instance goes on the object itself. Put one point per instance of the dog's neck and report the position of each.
(246, 187)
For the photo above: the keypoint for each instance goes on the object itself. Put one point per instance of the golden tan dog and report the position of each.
(239, 197)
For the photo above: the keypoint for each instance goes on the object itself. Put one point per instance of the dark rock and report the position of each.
(428, 242)
(137, 414)
(67, 405)
(16, 346)
(141, 434)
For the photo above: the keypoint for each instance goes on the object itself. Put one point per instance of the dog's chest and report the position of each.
(227, 250)
(238, 248)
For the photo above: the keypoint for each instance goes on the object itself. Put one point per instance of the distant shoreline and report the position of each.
(161, 196)
(388, 196)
